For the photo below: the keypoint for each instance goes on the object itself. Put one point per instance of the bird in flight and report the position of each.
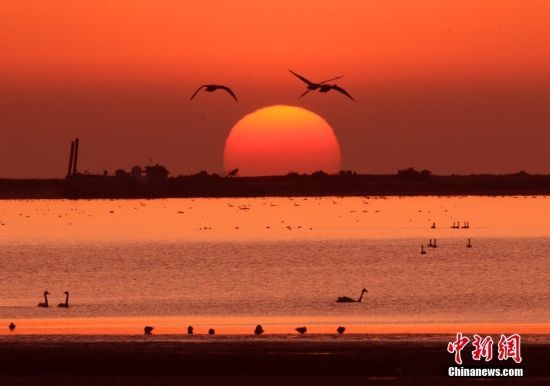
(212, 88)
(321, 86)
(335, 87)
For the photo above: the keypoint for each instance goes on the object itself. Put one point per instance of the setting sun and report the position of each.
(278, 139)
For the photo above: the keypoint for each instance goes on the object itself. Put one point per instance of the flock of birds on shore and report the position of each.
(148, 330)
(322, 87)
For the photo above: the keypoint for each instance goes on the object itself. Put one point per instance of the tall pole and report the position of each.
(75, 156)
(71, 160)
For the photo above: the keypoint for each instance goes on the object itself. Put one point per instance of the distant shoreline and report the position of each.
(82, 186)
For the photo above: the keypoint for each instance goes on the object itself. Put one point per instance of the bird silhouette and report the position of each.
(301, 330)
(341, 330)
(346, 299)
(11, 326)
(311, 86)
(148, 330)
(66, 304)
(45, 304)
(328, 87)
(422, 251)
(259, 330)
(469, 245)
(211, 332)
(190, 330)
(214, 87)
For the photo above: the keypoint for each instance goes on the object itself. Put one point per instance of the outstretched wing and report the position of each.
(229, 91)
(340, 89)
(304, 93)
(328, 80)
(301, 78)
(196, 92)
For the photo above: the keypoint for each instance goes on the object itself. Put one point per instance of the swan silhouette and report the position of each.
(259, 330)
(148, 330)
(335, 87)
(11, 326)
(340, 330)
(346, 299)
(45, 304)
(311, 86)
(422, 251)
(214, 87)
(469, 245)
(66, 304)
(301, 330)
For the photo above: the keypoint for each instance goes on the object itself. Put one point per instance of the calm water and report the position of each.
(278, 261)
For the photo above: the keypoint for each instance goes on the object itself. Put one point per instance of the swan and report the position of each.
(340, 330)
(328, 87)
(422, 251)
(346, 299)
(469, 244)
(301, 330)
(214, 87)
(434, 245)
(45, 304)
(311, 86)
(259, 330)
(148, 330)
(66, 304)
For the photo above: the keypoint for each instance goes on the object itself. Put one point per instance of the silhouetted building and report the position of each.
(156, 173)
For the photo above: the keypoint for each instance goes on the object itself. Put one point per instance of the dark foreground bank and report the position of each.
(247, 362)
(317, 184)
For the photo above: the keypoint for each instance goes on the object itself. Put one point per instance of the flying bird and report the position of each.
(347, 299)
(301, 330)
(321, 86)
(259, 330)
(11, 326)
(311, 86)
(148, 330)
(328, 87)
(340, 330)
(214, 87)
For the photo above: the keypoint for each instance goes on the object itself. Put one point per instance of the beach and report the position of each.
(266, 360)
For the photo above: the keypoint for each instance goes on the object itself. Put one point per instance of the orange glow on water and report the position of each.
(277, 140)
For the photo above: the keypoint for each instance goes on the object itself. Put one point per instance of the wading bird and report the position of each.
(422, 251)
(214, 87)
(45, 304)
(346, 299)
(66, 304)
(469, 245)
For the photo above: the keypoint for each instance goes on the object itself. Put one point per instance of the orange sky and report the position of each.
(452, 86)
